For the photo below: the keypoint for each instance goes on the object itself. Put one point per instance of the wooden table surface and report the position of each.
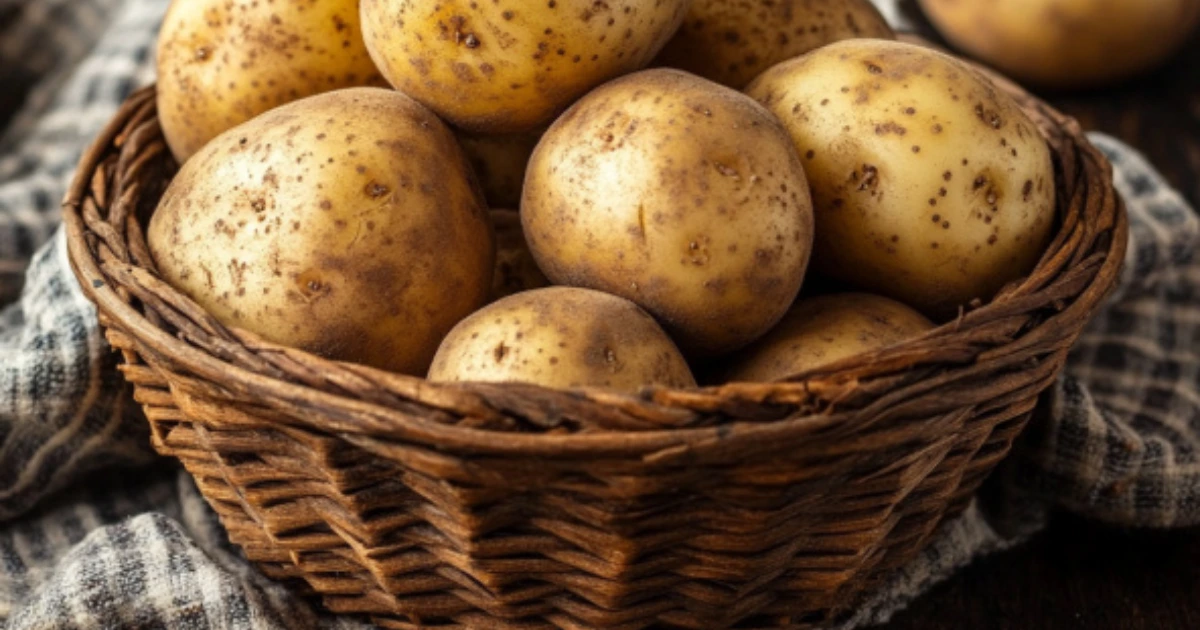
(1078, 574)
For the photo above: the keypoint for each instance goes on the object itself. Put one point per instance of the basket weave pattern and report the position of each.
(512, 506)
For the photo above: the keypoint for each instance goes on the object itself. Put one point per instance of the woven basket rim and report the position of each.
(511, 505)
(814, 388)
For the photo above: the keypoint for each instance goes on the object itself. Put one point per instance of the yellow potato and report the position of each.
(929, 184)
(511, 67)
(1067, 43)
(733, 41)
(821, 330)
(562, 337)
(516, 270)
(679, 194)
(223, 62)
(499, 161)
(346, 224)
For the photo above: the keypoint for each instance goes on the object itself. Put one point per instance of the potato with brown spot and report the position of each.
(223, 62)
(733, 41)
(516, 270)
(1067, 43)
(679, 194)
(822, 330)
(347, 224)
(930, 185)
(499, 160)
(562, 337)
(508, 67)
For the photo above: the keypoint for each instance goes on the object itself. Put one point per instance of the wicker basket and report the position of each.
(511, 506)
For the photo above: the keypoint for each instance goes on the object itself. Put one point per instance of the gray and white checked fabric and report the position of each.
(84, 55)
(95, 533)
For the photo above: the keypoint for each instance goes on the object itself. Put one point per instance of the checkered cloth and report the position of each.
(97, 533)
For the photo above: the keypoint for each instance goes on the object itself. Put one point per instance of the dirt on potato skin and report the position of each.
(823, 329)
(347, 224)
(507, 66)
(562, 337)
(930, 185)
(733, 41)
(222, 62)
(709, 224)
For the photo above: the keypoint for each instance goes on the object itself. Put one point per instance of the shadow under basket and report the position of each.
(513, 506)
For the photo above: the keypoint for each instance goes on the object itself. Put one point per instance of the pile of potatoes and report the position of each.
(586, 193)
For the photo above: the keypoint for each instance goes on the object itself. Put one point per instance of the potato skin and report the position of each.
(516, 270)
(223, 62)
(562, 337)
(346, 224)
(511, 67)
(679, 194)
(825, 329)
(1067, 43)
(733, 41)
(499, 162)
(930, 185)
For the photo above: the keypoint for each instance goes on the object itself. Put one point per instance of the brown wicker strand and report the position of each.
(419, 505)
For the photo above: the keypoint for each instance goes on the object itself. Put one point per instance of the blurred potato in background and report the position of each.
(1066, 43)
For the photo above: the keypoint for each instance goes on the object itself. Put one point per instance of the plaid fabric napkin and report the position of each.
(95, 532)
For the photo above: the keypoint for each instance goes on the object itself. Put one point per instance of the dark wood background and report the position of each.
(1076, 574)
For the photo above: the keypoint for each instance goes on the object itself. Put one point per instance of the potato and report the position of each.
(347, 224)
(1067, 43)
(679, 194)
(223, 62)
(821, 330)
(516, 270)
(512, 67)
(499, 162)
(562, 337)
(930, 185)
(733, 41)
